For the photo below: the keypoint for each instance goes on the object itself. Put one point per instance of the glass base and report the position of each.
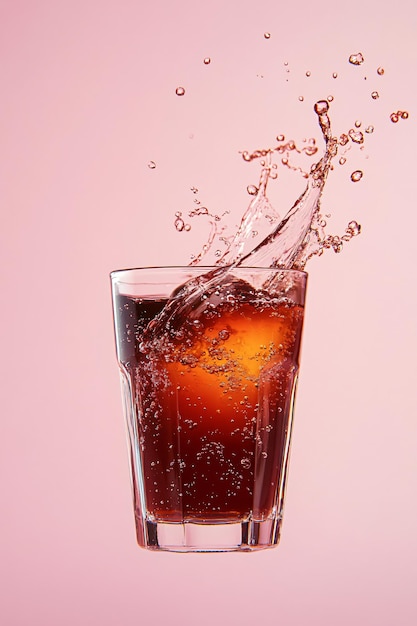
(190, 536)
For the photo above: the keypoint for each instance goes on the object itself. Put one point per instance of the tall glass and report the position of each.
(208, 373)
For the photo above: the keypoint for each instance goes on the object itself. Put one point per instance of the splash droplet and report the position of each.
(334, 74)
(380, 71)
(354, 228)
(301, 98)
(369, 129)
(152, 165)
(394, 118)
(375, 95)
(356, 136)
(252, 190)
(180, 91)
(358, 123)
(356, 176)
(207, 61)
(280, 138)
(267, 35)
(321, 107)
(342, 160)
(356, 59)
(343, 139)
(404, 115)
(308, 74)
(330, 98)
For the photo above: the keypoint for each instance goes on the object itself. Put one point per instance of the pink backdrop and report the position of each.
(88, 98)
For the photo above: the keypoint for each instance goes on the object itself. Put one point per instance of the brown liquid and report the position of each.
(213, 402)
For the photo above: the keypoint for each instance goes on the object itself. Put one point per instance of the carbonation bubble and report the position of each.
(180, 91)
(207, 61)
(356, 59)
(267, 35)
(151, 165)
(375, 95)
(380, 71)
(245, 463)
(252, 190)
(356, 176)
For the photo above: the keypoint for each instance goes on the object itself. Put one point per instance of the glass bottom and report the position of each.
(240, 536)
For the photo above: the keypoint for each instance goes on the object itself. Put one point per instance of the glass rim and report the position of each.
(116, 273)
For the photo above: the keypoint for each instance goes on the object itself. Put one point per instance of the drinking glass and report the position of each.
(209, 361)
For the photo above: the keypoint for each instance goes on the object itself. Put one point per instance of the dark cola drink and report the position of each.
(212, 391)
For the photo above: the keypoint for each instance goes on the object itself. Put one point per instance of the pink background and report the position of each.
(88, 98)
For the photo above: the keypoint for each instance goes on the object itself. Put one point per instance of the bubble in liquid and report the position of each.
(380, 71)
(245, 463)
(356, 176)
(301, 98)
(334, 74)
(394, 118)
(308, 74)
(267, 35)
(356, 59)
(375, 95)
(207, 61)
(280, 138)
(369, 129)
(342, 160)
(152, 165)
(180, 91)
(252, 190)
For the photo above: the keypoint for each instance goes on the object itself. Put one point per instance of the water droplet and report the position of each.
(330, 98)
(334, 74)
(207, 61)
(180, 91)
(356, 136)
(394, 118)
(404, 115)
(308, 74)
(267, 35)
(358, 123)
(252, 190)
(342, 160)
(321, 107)
(286, 63)
(245, 463)
(343, 139)
(356, 176)
(194, 189)
(380, 71)
(354, 227)
(187, 227)
(356, 59)
(152, 165)
(369, 129)
(280, 138)
(301, 98)
(375, 95)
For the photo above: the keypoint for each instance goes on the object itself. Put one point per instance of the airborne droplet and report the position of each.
(180, 91)
(152, 165)
(375, 95)
(394, 118)
(356, 136)
(356, 59)
(252, 190)
(308, 74)
(369, 129)
(207, 61)
(267, 35)
(380, 71)
(334, 74)
(280, 138)
(342, 160)
(301, 98)
(356, 176)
